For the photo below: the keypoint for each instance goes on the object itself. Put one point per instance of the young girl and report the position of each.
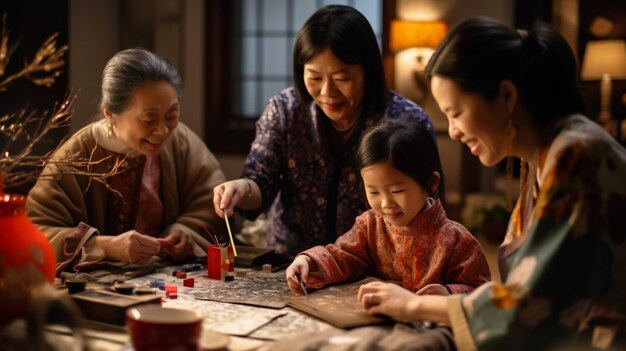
(405, 236)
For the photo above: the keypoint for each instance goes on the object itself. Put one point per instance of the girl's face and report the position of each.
(473, 121)
(147, 123)
(337, 88)
(392, 194)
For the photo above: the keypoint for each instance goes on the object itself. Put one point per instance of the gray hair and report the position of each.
(129, 69)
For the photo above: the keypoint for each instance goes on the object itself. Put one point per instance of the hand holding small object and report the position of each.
(167, 246)
(306, 293)
(297, 273)
(131, 247)
(177, 245)
(228, 195)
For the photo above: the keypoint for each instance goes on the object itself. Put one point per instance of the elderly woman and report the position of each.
(163, 191)
(514, 93)
(301, 169)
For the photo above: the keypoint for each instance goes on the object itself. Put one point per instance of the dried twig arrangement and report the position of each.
(29, 128)
(23, 167)
(43, 69)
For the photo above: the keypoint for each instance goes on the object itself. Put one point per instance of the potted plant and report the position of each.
(494, 222)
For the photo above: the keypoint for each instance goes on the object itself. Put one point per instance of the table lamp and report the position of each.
(416, 34)
(604, 60)
(424, 36)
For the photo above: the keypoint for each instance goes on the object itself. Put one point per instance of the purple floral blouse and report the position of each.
(311, 194)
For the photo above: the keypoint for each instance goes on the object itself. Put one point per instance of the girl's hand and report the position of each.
(227, 195)
(388, 299)
(131, 247)
(299, 269)
(177, 245)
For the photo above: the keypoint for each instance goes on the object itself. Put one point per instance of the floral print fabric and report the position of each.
(431, 249)
(310, 193)
(565, 282)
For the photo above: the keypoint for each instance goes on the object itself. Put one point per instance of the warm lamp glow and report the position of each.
(421, 37)
(604, 59)
(412, 34)
(604, 56)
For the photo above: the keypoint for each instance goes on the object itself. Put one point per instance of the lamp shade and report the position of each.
(604, 57)
(411, 34)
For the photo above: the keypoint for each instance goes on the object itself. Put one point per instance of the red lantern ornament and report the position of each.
(27, 258)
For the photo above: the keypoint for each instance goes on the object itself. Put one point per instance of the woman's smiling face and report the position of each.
(152, 116)
(475, 122)
(336, 87)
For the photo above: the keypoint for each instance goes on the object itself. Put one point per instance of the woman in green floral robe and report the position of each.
(563, 260)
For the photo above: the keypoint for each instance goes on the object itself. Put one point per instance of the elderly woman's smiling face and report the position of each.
(147, 123)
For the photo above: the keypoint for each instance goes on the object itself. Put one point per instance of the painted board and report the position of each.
(227, 318)
(338, 305)
(265, 290)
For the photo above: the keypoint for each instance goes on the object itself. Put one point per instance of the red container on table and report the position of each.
(220, 261)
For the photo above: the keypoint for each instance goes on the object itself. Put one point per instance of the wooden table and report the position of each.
(232, 308)
(250, 327)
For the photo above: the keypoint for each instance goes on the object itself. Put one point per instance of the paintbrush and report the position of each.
(230, 234)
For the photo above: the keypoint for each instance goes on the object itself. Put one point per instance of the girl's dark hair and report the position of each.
(480, 53)
(129, 69)
(348, 34)
(408, 147)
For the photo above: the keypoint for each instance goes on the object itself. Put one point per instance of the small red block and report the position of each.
(181, 275)
(189, 282)
(170, 288)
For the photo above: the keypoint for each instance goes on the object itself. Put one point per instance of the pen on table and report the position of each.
(306, 293)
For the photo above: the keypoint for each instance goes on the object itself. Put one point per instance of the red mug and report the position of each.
(156, 328)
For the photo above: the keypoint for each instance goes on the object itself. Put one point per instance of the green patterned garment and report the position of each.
(563, 264)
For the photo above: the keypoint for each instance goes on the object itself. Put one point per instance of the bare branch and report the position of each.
(5, 50)
(28, 128)
(44, 68)
(74, 165)
(18, 130)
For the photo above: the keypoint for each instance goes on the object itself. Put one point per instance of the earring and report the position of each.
(109, 130)
(510, 133)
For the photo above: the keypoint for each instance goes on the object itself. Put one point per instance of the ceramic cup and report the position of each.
(156, 328)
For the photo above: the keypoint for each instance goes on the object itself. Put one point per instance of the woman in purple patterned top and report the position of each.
(300, 169)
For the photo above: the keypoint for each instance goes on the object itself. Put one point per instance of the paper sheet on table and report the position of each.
(246, 323)
(226, 318)
(269, 290)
